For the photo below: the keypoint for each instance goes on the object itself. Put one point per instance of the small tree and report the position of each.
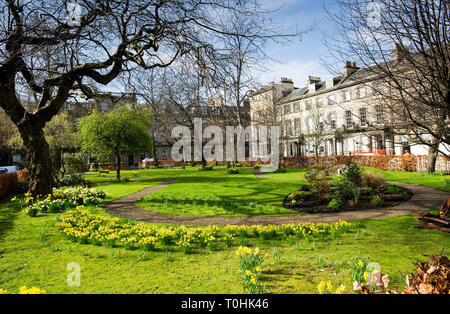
(123, 130)
(317, 131)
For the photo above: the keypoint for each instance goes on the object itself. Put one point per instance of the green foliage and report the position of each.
(74, 164)
(356, 194)
(233, 171)
(250, 262)
(377, 200)
(335, 203)
(298, 195)
(71, 179)
(207, 168)
(352, 173)
(393, 189)
(122, 180)
(108, 133)
(318, 182)
(358, 267)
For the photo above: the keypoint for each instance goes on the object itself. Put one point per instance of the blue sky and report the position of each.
(301, 58)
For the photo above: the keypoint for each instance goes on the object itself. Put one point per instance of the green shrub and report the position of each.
(280, 170)
(233, 171)
(335, 203)
(356, 194)
(71, 180)
(74, 164)
(352, 173)
(318, 182)
(207, 168)
(122, 180)
(257, 166)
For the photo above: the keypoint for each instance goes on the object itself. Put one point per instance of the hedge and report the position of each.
(8, 184)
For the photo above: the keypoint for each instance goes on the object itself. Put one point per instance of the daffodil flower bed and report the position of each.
(61, 200)
(82, 226)
(25, 290)
(327, 288)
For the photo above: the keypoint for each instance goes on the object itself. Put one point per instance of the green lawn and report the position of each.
(34, 253)
(432, 180)
(216, 193)
(290, 173)
(115, 190)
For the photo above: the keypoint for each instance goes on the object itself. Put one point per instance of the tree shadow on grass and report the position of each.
(8, 213)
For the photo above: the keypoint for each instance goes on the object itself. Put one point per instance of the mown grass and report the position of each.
(216, 193)
(290, 173)
(34, 253)
(432, 180)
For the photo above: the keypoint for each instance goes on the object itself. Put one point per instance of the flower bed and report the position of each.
(81, 226)
(304, 199)
(61, 200)
(353, 190)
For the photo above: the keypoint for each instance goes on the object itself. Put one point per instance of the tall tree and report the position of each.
(104, 134)
(52, 53)
(403, 44)
(60, 134)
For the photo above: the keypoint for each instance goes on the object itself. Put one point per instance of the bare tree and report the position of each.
(405, 46)
(317, 131)
(243, 52)
(50, 53)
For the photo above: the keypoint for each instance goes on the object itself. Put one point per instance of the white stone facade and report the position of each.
(352, 119)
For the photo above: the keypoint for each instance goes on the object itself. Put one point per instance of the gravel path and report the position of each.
(424, 199)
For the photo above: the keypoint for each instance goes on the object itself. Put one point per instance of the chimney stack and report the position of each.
(287, 84)
(313, 80)
(399, 52)
(350, 68)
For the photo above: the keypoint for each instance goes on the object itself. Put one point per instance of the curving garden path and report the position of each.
(424, 199)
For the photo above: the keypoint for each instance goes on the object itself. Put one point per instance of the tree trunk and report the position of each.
(41, 175)
(155, 158)
(432, 158)
(118, 166)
